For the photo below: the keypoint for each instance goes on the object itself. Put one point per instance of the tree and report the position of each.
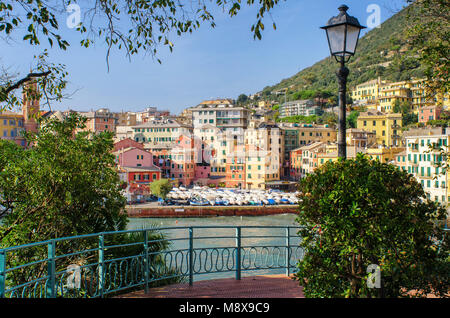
(352, 119)
(242, 99)
(408, 117)
(161, 188)
(429, 31)
(64, 185)
(359, 212)
(133, 26)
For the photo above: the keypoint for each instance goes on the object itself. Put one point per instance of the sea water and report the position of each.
(176, 230)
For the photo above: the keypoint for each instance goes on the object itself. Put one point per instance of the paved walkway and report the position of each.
(270, 286)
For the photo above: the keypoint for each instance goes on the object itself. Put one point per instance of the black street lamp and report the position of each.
(342, 33)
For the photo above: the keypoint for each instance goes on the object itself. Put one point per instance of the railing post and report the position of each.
(288, 252)
(191, 256)
(146, 265)
(51, 268)
(2, 273)
(101, 259)
(238, 253)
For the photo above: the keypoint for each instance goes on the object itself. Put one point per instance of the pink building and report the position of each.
(127, 143)
(183, 160)
(134, 157)
(202, 174)
(100, 120)
(137, 165)
(429, 113)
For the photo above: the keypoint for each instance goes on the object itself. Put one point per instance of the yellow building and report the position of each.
(268, 138)
(382, 95)
(331, 154)
(258, 168)
(386, 126)
(11, 126)
(360, 138)
(390, 93)
(164, 131)
(384, 154)
(367, 93)
(421, 98)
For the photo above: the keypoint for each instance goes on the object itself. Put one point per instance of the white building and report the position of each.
(299, 107)
(425, 159)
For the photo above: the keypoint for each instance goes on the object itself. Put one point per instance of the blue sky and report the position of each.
(210, 63)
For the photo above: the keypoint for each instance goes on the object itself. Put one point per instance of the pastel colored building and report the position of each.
(162, 157)
(299, 108)
(295, 164)
(424, 161)
(360, 138)
(382, 95)
(141, 175)
(235, 168)
(400, 161)
(99, 121)
(386, 126)
(12, 127)
(269, 138)
(428, 113)
(259, 168)
(202, 174)
(134, 157)
(160, 131)
(136, 166)
(310, 157)
(127, 143)
(183, 160)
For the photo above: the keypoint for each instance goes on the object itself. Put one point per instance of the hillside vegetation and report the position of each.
(381, 52)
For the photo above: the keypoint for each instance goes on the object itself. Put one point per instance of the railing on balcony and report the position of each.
(101, 265)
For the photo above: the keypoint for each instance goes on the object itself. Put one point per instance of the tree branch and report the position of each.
(24, 80)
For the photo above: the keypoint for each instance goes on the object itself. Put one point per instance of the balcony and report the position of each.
(191, 257)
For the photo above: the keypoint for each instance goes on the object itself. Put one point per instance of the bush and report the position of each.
(359, 212)
(161, 188)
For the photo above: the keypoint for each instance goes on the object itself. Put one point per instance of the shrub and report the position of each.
(359, 212)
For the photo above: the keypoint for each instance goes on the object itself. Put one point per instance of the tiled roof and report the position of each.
(141, 169)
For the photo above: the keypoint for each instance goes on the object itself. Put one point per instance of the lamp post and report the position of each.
(342, 34)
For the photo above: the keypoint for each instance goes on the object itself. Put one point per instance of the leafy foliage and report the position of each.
(64, 185)
(161, 188)
(326, 118)
(429, 31)
(359, 212)
(408, 117)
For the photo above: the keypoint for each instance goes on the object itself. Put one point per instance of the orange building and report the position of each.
(183, 160)
(296, 163)
(235, 168)
(100, 120)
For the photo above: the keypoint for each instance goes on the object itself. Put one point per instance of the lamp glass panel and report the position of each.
(352, 39)
(336, 36)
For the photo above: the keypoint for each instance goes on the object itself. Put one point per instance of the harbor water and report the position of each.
(176, 230)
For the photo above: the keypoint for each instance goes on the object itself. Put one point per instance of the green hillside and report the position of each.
(381, 52)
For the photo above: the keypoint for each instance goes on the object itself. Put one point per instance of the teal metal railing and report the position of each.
(100, 265)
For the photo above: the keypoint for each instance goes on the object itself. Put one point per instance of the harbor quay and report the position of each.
(153, 211)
